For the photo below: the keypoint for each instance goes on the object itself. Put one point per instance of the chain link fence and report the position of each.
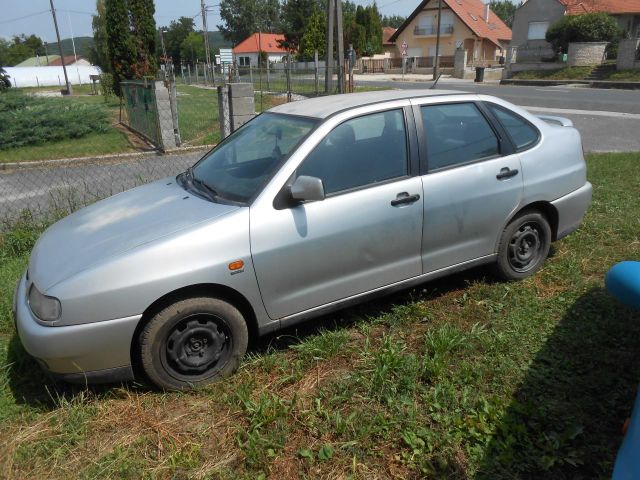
(49, 190)
(167, 114)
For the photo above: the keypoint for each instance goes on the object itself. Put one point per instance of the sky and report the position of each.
(34, 16)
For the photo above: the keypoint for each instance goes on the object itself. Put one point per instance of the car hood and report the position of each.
(116, 225)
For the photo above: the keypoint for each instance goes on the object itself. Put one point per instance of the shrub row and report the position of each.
(27, 120)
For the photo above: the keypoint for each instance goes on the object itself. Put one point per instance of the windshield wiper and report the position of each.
(201, 185)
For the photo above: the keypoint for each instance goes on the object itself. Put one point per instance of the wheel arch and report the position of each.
(547, 209)
(222, 292)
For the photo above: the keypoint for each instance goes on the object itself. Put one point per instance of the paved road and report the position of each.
(609, 120)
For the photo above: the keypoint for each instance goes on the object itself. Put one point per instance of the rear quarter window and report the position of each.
(522, 133)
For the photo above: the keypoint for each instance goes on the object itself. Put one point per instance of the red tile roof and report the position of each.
(578, 7)
(386, 35)
(68, 60)
(269, 43)
(471, 12)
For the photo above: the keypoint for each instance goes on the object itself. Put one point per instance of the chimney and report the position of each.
(486, 12)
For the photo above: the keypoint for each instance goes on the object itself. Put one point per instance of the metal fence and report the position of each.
(48, 190)
(139, 110)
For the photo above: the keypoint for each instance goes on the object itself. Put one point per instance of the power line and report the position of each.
(25, 16)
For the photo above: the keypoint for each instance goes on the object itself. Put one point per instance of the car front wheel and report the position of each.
(193, 342)
(524, 246)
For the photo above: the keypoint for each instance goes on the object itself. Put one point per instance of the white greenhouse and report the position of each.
(50, 76)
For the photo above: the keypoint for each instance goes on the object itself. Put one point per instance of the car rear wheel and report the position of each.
(524, 246)
(193, 342)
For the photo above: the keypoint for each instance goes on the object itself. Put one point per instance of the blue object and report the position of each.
(623, 282)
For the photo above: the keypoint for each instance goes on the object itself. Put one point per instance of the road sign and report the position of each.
(404, 48)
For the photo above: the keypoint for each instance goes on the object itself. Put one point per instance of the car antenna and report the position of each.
(436, 82)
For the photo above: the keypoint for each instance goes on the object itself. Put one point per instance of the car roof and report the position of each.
(323, 107)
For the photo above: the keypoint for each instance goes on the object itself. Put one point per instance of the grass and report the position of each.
(626, 75)
(464, 377)
(567, 73)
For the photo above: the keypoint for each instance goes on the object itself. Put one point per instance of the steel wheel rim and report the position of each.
(197, 347)
(525, 247)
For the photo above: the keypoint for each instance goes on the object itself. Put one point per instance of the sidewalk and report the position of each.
(411, 77)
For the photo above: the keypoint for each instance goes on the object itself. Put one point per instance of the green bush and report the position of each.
(107, 86)
(27, 120)
(590, 27)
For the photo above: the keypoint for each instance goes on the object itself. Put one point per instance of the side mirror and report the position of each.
(307, 188)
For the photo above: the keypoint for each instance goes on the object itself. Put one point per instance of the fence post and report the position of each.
(268, 81)
(251, 74)
(223, 111)
(287, 73)
(164, 111)
(315, 72)
(173, 102)
(204, 73)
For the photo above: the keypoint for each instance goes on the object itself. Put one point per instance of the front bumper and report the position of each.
(571, 209)
(86, 353)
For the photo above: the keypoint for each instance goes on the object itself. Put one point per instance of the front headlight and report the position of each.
(44, 307)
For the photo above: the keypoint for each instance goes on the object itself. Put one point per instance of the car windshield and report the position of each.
(237, 168)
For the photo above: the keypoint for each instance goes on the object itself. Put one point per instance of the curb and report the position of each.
(106, 158)
(588, 83)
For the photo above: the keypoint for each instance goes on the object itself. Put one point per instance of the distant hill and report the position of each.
(216, 41)
(83, 46)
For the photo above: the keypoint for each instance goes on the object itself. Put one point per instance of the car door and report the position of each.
(472, 182)
(364, 235)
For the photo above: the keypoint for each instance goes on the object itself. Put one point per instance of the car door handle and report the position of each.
(404, 198)
(506, 172)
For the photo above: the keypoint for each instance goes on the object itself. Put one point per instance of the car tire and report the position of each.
(192, 343)
(524, 246)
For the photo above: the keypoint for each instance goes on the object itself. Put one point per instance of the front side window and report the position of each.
(239, 166)
(521, 132)
(362, 151)
(456, 133)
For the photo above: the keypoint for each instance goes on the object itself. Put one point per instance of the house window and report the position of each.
(537, 30)
(244, 61)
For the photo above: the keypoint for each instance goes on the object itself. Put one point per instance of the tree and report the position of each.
(314, 37)
(120, 41)
(503, 9)
(394, 20)
(99, 53)
(296, 16)
(192, 48)
(143, 28)
(590, 27)
(242, 18)
(20, 48)
(175, 35)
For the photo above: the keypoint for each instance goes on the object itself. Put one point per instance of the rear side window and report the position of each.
(457, 133)
(360, 152)
(522, 133)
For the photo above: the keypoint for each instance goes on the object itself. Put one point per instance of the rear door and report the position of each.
(472, 182)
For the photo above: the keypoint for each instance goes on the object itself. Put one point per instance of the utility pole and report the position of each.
(340, 46)
(436, 61)
(64, 68)
(328, 70)
(164, 52)
(206, 35)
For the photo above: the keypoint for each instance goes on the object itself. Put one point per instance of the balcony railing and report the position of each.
(432, 30)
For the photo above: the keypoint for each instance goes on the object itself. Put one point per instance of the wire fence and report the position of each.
(48, 191)
(166, 114)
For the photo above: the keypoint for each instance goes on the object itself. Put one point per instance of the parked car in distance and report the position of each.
(309, 207)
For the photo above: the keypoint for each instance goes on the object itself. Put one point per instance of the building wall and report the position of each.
(586, 53)
(253, 57)
(534, 11)
(423, 45)
(627, 54)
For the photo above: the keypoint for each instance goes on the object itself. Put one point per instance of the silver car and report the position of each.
(308, 208)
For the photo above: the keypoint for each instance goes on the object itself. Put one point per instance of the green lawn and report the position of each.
(568, 73)
(464, 377)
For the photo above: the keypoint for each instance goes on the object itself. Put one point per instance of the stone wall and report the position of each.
(628, 54)
(586, 53)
